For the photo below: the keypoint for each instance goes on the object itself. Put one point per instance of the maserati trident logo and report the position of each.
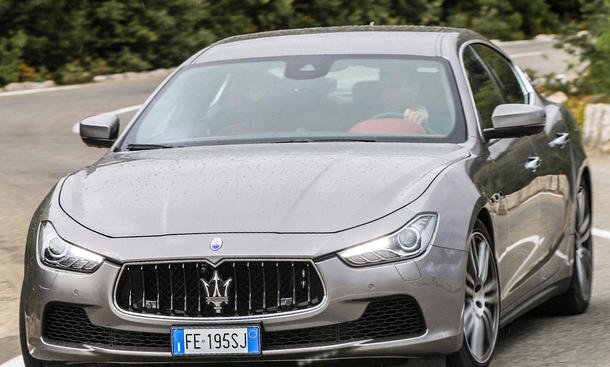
(216, 244)
(219, 295)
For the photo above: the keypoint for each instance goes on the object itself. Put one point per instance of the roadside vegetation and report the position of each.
(71, 41)
(589, 40)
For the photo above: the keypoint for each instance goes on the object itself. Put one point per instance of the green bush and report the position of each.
(76, 39)
(72, 73)
(590, 42)
(10, 58)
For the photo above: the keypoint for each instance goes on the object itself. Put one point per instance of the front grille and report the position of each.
(177, 289)
(392, 317)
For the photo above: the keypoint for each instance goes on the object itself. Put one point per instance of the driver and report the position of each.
(399, 93)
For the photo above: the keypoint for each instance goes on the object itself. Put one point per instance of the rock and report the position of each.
(28, 85)
(558, 97)
(47, 84)
(118, 76)
(596, 127)
(133, 75)
(545, 37)
(101, 78)
(16, 86)
(160, 72)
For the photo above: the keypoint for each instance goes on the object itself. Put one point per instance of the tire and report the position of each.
(481, 303)
(575, 300)
(28, 360)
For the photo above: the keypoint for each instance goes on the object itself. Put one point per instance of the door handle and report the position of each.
(560, 141)
(533, 163)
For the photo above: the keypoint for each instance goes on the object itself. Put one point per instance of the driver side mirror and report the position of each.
(513, 120)
(99, 131)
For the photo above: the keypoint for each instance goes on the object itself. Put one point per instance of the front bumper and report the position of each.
(435, 280)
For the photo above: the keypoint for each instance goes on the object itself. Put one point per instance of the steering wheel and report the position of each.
(388, 115)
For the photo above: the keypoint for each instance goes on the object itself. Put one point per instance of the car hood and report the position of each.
(275, 188)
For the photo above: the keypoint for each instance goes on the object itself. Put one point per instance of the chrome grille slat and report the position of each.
(235, 277)
(264, 286)
(198, 267)
(143, 289)
(252, 282)
(249, 289)
(184, 286)
(158, 291)
(277, 271)
(171, 289)
(294, 287)
(308, 285)
(130, 288)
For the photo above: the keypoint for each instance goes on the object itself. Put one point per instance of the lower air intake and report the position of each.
(384, 318)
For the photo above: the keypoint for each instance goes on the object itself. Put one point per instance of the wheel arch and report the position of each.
(585, 177)
(485, 217)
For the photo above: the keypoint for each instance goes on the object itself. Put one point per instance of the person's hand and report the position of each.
(415, 116)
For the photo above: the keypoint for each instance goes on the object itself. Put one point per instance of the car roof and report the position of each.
(403, 40)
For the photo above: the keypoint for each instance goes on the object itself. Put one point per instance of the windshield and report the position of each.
(304, 98)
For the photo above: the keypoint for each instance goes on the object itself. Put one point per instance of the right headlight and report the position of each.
(57, 253)
(409, 241)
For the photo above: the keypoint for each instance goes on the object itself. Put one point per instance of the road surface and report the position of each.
(37, 147)
(540, 56)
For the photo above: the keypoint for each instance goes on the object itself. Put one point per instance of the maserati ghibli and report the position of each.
(368, 193)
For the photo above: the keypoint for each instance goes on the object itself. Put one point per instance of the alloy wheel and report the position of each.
(584, 253)
(481, 310)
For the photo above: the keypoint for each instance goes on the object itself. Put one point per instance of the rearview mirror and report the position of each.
(99, 131)
(515, 120)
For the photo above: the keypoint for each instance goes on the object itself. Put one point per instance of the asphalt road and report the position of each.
(540, 56)
(37, 147)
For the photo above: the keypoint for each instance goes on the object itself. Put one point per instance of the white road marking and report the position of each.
(15, 362)
(526, 54)
(39, 90)
(76, 128)
(122, 110)
(601, 233)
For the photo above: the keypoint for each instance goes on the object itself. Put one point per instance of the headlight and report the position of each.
(410, 241)
(60, 254)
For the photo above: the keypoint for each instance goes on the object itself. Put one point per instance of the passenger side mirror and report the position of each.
(99, 131)
(515, 120)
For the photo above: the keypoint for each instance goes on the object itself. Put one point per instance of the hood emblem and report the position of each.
(216, 244)
(220, 291)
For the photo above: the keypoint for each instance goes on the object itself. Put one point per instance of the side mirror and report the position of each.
(99, 131)
(515, 120)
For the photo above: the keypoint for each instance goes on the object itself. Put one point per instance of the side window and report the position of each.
(503, 73)
(485, 91)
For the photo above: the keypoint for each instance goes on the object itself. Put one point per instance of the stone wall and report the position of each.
(596, 128)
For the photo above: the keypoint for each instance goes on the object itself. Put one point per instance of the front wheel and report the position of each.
(481, 303)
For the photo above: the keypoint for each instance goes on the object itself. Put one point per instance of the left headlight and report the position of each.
(409, 241)
(57, 253)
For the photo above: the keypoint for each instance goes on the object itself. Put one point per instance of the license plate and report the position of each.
(216, 340)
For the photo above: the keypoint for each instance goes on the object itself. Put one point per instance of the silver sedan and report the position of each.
(378, 193)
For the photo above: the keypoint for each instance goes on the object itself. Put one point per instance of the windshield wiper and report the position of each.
(324, 140)
(149, 146)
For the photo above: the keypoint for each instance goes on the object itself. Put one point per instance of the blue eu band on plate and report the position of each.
(216, 341)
